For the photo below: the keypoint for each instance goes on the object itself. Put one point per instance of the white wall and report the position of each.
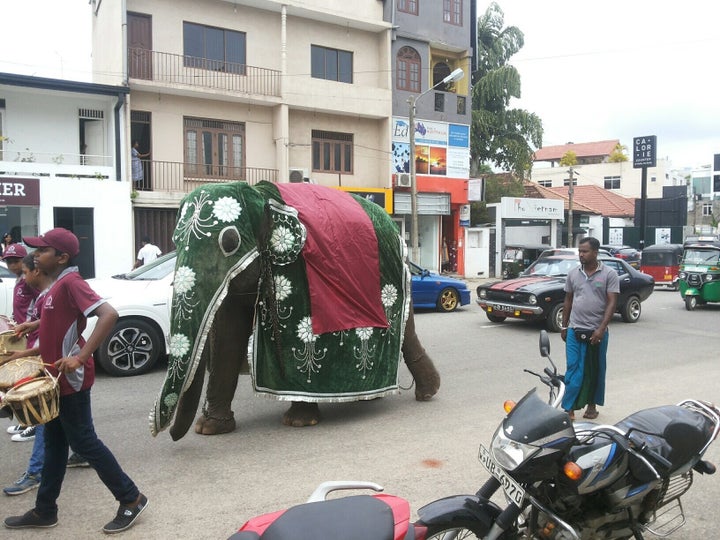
(477, 252)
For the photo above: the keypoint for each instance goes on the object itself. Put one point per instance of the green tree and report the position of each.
(569, 159)
(496, 187)
(618, 154)
(501, 136)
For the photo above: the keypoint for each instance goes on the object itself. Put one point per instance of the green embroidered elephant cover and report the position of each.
(289, 361)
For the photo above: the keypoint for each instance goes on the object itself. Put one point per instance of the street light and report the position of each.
(415, 250)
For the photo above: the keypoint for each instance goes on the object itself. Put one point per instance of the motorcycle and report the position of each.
(561, 480)
(582, 481)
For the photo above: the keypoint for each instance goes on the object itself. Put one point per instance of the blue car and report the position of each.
(437, 292)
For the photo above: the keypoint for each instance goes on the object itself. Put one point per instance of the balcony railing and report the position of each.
(176, 69)
(184, 177)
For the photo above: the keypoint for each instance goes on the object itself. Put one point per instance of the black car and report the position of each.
(538, 294)
(626, 253)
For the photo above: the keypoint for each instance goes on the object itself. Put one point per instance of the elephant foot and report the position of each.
(427, 379)
(301, 414)
(213, 425)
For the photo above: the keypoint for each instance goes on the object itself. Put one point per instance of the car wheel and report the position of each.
(631, 310)
(495, 318)
(554, 320)
(132, 348)
(690, 302)
(448, 300)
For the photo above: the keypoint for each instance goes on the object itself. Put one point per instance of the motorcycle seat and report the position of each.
(351, 518)
(676, 433)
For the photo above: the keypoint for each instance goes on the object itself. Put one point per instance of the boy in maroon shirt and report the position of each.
(65, 309)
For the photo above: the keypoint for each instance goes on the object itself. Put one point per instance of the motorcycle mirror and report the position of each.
(544, 344)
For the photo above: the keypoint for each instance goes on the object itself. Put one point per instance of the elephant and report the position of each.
(304, 286)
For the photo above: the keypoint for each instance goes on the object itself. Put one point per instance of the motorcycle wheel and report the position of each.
(456, 531)
(690, 302)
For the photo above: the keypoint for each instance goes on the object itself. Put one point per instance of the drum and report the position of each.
(34, 402)
(10, 344)
(15, 370)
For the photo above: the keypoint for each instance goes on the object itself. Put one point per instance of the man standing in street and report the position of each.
(148, 252)
(591, 292)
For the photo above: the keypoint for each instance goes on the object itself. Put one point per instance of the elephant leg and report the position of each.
(228, 353)
(301, 414)
(427, 378)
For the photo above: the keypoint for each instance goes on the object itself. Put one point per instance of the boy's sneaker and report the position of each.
(76, 460)
(28, 434)
(30, 519)
(23, 484)
(126, 516)
(17, 428)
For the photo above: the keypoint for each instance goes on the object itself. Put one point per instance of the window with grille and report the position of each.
(408, 66)
(707, 209)
(452, 12)
(214, 148)
(439, 102)
(331, 64)
(332, 152)
(408, 6)
(461, 105)
(215, 49)
(612, 182)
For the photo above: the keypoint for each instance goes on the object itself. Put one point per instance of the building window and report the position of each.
(707, 209)
(2, 129)
(452, 12)
(716, 177)
(331, 64)
(408, 65)
(439, 102)
(612, 182)
(215, 49)
(332, 152)
(440, 71)
(566, 182)
(214, 148)
(408, 6)
(653, 178)
(545, 183)
(461, 105)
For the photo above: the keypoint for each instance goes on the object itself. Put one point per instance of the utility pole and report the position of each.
(571, 191)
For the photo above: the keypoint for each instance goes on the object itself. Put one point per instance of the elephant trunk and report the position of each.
(188, 403)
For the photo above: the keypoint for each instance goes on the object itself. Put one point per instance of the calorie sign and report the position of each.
(644, 151)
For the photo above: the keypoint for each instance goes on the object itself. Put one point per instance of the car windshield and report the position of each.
(158, 269)
(701, 256)
(512, 254)
(551, 266)
(415, 270)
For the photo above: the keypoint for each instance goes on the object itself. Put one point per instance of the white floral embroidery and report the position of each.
(364, 333)
(227, 209)
(388, 295)
(305, 331)
(179, 345)
(283, 288)
(170, 400)
(282, 239)
(184, 280)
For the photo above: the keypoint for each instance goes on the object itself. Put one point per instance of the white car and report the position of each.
(142, 299)
(7, 287)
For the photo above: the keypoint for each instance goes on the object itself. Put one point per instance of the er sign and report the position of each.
(644, 151)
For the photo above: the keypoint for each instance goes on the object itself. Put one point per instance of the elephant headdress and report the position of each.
(332, 291)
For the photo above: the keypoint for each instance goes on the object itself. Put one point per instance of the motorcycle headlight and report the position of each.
(482, 293)
(508, 453)
(682, 275)
(708, 277)
(532, 299)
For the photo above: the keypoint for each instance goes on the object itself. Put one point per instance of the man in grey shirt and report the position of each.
(591, 292)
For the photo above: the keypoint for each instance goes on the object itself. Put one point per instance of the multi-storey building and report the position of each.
(61, 165)
(431, 39)
(248, 90)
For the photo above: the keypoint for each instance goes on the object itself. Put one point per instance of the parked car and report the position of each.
(627, 253)
(7, 287)
(142, 299)
(430, 290)
(571, 251)
(538, 294)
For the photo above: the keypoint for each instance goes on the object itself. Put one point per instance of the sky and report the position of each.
(591, 70)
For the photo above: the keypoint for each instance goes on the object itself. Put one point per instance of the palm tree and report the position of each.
(500, 136)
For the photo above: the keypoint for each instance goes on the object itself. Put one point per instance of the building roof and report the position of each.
(536, 191)
(601, 201)
(28, 81)
(582, 150)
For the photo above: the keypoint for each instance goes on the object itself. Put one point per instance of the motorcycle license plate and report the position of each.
(512, 489)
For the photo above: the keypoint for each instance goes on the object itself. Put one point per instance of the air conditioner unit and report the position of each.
(404, 180)
(298, 175)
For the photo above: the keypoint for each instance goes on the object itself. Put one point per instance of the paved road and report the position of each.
(206, 487)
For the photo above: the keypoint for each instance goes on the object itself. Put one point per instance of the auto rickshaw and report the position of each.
(662, 262)
(516, 258)
(699, 275)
